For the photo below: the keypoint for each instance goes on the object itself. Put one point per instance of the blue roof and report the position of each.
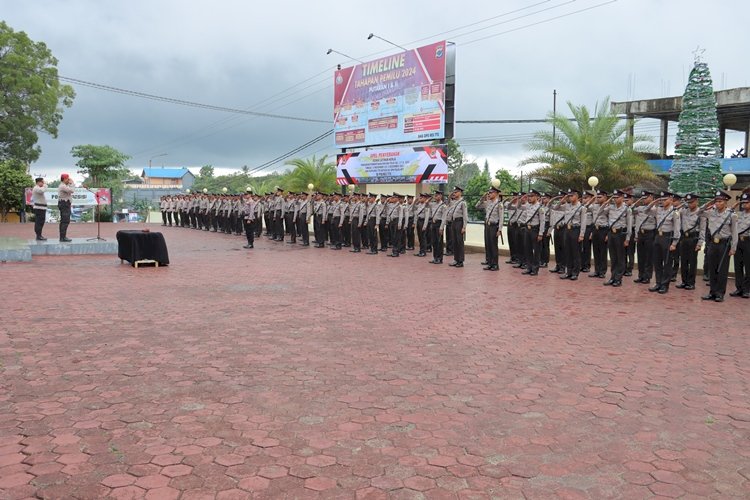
(165, 172)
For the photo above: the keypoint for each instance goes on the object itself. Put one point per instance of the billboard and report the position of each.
(82, 197)
(425, 164)
(394, 99)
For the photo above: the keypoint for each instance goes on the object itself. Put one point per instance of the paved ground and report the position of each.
(287, 372)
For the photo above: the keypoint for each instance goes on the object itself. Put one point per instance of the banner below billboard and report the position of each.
(426, 165)
(82, 197)
(391, 100)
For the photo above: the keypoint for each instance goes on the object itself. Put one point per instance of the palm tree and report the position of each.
(587, 146)
(319, 172)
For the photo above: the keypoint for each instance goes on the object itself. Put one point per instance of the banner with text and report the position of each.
(426, 165)
(82, 197)
(395, 99)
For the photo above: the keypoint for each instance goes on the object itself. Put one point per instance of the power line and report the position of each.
(183, 102)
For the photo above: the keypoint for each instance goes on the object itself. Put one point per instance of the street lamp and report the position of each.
(373, 35)
(342, 54)
(729, 180)
(155, 156)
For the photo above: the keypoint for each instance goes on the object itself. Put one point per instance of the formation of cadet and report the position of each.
(665, 231)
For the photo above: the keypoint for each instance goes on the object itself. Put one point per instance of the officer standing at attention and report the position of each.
(720, 225)
(421, 217)
(690, 218)
(665, 243)
(742, 256)
(619, 220)
(437, 226)
(64, 202)
(599, 235)
(556, 215)
(39, 206)
(458, 215)
(572, 222)
(532, 221)
(248, 217)
(493, 218)
(645, 230)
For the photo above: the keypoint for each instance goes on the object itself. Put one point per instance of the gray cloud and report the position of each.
(238, 53)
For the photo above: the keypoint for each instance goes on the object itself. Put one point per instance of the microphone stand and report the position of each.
(98, 218)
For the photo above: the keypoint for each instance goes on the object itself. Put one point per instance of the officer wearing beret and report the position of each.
(720, 229)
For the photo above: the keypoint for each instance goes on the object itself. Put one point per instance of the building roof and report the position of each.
(732, 108)
(165, 172)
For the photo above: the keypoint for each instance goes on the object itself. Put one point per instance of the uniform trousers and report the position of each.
(356, 236)
(303, 230)
(437, 242)
(544, 248)
(742, 264)
(689, 258)
(490, 243)
(384, 234)
(561, 258)
(572, 250)
(250, 231)
(291, 226)
(64, 206)
(512, 241)
(422, 236)
(663, 259)
(586, 248)
(40, 214)
(372, 235)
(318, 232)
(410, 234)
(599, 248)
(645, 253)
(531, 248)
(457, 226)
(717, 255)
(395, 235)
(335, 231)
(616, 245)
(630, 253)
(163, 217)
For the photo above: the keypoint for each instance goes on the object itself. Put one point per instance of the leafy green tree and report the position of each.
(31, 96)
(508, 182)
(102, 166)
(589, 145)
(13, 181)
(320, 172)
(463, 174)
(474, 190)
(206, 171)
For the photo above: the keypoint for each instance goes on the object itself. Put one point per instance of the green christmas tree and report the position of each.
(697, 151)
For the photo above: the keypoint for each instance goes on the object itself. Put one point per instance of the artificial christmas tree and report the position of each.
(697, 150)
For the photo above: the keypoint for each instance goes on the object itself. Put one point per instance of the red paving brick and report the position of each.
(298, 372)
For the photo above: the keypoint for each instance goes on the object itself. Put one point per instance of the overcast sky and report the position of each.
(271, 57)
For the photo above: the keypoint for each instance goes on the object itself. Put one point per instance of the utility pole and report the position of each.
(554, 115)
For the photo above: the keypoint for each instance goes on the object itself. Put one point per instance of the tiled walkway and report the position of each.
(291, 372)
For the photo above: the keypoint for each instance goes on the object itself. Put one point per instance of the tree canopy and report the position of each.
(589, 145)
(320, 172)
(31, 96)
(13, 181)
